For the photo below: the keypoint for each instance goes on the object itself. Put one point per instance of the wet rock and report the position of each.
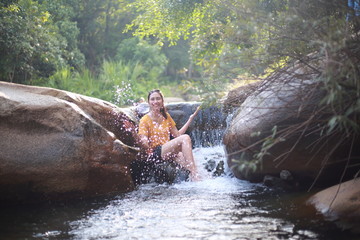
(219, 169)
(164, 172)
(237, 96)
(210, 165)
(271, 181)
(286, 175)
(285, 181)
(287, 100)
(56, 144)
(341, 204)
(276, 182)
(170, 172)
(141, 109)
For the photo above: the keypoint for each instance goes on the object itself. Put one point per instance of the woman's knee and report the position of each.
(186, 138)
(186, 142)
(180, 155)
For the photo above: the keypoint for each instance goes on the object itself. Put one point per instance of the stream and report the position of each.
(214, 208)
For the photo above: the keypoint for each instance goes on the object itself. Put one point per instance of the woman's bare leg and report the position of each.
(181, 144)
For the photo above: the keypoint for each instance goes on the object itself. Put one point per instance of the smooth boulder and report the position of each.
(56, 144)
(278, 124)
(341, 204)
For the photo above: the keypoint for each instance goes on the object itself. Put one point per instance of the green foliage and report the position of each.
(234, 37)
(26, 46)
(244, 166)
(120, 83)
(31, 43)
(62, 15)
(82, 82)
(133, 50)
(342, 84)
(229, 36)
(179, 64)
(101, 25)
(160, 18)
(62, 79)
(267, 144)
(127, 82)
(40, 37)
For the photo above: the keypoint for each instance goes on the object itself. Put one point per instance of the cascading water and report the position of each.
(207, 128)
(217, 207)
(213, 208)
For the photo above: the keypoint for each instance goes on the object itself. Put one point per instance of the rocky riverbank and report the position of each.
(60, 145)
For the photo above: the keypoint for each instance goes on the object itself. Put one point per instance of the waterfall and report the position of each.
(208, 127)
(206, 130)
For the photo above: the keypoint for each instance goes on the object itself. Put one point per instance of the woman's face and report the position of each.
(156, 101)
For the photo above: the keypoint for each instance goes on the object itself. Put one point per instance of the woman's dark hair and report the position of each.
(163, 110)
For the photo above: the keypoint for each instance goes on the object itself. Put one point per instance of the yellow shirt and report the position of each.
(158, 134)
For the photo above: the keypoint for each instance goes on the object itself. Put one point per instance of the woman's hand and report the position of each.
(187, 124)
(192, 116)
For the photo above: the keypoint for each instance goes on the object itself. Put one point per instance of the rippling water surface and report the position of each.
(214, 208)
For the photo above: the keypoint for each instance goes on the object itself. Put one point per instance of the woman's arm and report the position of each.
(141, 140)
(144, 141)
(174, 132)
(187, 124)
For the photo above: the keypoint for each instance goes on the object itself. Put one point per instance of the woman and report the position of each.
(155, 129)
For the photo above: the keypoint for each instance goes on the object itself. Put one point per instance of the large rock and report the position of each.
(237, 96)
(289, 100)
(341, 204)
(56, 144)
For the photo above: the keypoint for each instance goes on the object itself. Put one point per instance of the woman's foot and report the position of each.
(195, 177)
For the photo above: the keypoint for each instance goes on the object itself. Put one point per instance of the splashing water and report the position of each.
(213, 208)
(124, 94)
(185, 211)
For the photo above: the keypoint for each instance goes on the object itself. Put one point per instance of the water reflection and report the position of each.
(215, 208)
(221, 208)
(187, 210)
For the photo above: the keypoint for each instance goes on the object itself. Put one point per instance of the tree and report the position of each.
(260, 37)
(24, 41)
(233, 37)
(62, 14)
(101, 25)
(253, 35)
(31, 44)
(134, 50)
